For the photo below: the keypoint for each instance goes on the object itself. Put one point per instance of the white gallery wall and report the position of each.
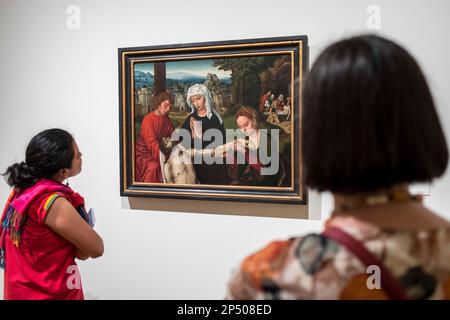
(55, 76)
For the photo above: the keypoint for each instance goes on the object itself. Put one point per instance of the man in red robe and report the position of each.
(155, 126)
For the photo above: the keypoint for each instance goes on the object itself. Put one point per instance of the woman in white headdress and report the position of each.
(204, 117)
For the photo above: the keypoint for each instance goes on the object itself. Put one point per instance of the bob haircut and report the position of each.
(369, 120)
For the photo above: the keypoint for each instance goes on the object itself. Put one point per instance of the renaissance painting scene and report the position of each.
(224, 121)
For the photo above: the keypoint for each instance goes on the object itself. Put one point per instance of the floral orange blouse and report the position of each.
(313, 267)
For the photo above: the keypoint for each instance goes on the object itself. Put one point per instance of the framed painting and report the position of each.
(214, 120)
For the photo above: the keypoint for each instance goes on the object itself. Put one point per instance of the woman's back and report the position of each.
(369, 130)
(44, 225)
(313, 267)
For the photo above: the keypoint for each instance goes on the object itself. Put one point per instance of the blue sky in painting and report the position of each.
(184, 69)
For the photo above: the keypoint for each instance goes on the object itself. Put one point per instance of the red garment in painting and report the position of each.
(153, 129)
(262, 102)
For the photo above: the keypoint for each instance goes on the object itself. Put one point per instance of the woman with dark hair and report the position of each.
(370, 128)
(155, 127)
(44, 225)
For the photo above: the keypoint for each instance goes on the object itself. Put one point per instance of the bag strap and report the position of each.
(390, 285)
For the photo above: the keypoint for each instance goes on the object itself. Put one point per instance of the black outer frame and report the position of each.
(131, 190)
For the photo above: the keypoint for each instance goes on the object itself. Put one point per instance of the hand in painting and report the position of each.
(224, 150)
(240, 145)
(196, 128)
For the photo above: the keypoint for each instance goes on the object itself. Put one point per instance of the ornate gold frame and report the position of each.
(295, 46)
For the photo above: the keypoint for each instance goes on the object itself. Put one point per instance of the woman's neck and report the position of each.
(58, 178)
(201, 113)
(397, 193)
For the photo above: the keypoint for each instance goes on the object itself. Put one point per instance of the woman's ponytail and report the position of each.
(21, 176)
(47, 152)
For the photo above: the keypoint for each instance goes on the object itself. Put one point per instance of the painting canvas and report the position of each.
(217, 120)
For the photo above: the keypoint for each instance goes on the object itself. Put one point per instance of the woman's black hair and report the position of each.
(47, 152)
(369, 121)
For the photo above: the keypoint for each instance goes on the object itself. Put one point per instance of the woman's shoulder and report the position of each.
(42, 205)
(215, 118)
(257, 275)
(214, 122)
(287, 269)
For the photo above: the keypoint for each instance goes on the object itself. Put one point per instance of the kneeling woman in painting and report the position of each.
(44, 225)
(249, 172)
(155, 127)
